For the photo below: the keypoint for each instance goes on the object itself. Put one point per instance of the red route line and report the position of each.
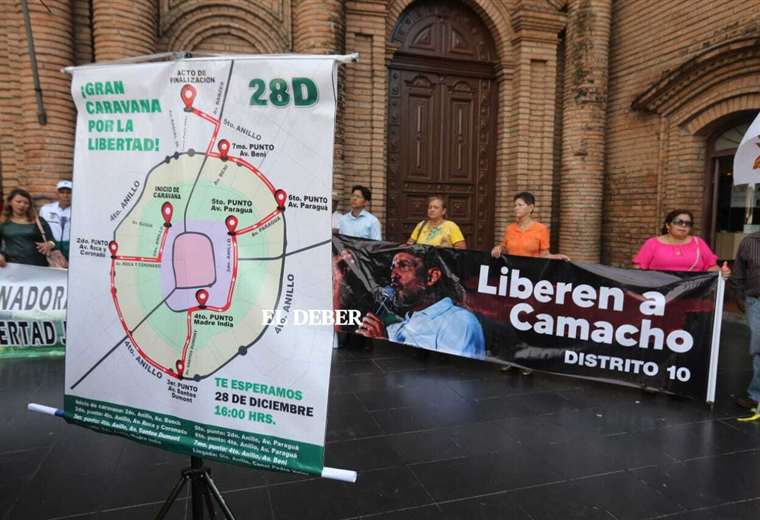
(190, 312)
(145, 356)
(249, 166)
(260, 223)
(187, 340)
(234, 278)
(207, 308)
(148, 259)
(213, 121)
(204, 115)
(255, 170)
(216, 122)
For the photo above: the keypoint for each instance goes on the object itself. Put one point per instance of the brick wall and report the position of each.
(125, 28)
(583, 128)
(45, 151)
(12, 38)
(365, 102)
(656, 161)
(82, 31)
(241, 26)
(606, 185)
(531, 110)
(319, 28)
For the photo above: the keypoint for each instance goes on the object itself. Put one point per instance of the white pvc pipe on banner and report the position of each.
(47, 410)
(344, 475)
(712, 377)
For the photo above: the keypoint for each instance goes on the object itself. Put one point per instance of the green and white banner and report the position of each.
(201, 211)
(32, 311)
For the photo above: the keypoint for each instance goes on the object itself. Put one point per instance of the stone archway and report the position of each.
(442, 109)
(712, 91)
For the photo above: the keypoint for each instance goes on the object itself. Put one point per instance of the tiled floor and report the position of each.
(440, 438)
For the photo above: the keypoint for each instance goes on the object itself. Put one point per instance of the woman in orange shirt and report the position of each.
(525, 237)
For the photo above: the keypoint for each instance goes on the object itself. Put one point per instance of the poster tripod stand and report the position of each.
(202, 490)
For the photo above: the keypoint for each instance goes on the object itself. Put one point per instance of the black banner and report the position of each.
(637, 328)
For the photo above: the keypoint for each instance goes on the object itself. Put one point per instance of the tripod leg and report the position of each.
(172, 497)
(218, 496)
(209, 502)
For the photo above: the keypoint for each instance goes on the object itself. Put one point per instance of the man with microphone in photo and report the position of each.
(427, 301)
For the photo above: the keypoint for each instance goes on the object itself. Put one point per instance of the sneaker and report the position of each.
(746, 402)
(752, 418)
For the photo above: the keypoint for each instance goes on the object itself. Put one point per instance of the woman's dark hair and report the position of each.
(8, 211)
(526, 197)
(365, 192)
(670, 217)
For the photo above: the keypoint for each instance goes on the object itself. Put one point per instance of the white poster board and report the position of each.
(747, 157)
(201, 201)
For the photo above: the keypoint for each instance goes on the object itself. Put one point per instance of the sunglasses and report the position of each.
(684, 223)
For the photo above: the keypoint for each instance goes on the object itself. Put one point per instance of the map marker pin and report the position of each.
(280, 196)
(113, 247)
(167, 210)
(201, 295)
(180, 366)
(223, 146)
(188, 93)
(231, 222)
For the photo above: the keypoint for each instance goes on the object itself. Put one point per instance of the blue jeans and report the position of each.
(753, 318)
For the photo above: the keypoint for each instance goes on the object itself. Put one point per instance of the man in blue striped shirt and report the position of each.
(359, 222)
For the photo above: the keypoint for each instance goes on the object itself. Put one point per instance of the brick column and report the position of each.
(11, 126)
(124, 28)
(82, 31)
(47, 149)
(583, 150)
(365, 108)
(319, 28)
(532, 122)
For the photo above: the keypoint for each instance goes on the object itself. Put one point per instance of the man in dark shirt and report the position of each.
(746, 277)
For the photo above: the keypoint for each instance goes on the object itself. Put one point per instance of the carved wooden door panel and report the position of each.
(441, 124)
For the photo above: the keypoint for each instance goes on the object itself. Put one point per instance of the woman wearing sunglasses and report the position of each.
(676, 249)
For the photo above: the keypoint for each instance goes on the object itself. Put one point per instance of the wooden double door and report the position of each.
(442, 124)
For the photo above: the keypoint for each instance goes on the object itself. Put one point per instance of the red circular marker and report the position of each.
(180, 366)
(113, 247)
(224, 146)
(188, 93)
(280, 196)
(201, 295)
(231, 222)
(167, 210)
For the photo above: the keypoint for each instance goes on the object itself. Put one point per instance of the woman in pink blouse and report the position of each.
(677, 250)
